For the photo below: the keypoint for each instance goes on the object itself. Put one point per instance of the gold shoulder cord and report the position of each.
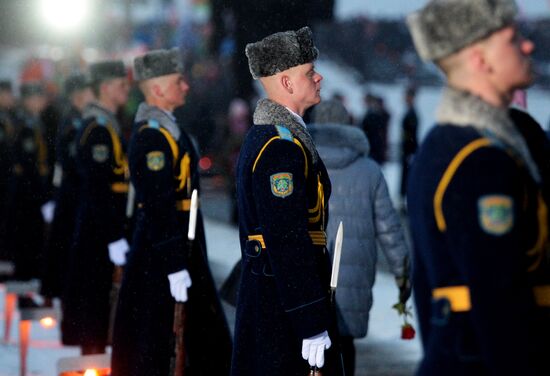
(448, 176)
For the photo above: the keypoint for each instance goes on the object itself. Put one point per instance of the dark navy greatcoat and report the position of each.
(7, 129)
(479, 223)
(164, 172)
(66, 202)
(538, 144)
(101, 216)
(283, 295)
(409, 144)
(26, 194)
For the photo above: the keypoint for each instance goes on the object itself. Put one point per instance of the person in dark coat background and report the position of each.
(101, 214)
(65, 181)
(284, 321)
(360, 199)
(477, 211)
(161, 268)
(27, 190)
(7, 135)
(375, 125)
(409, 140)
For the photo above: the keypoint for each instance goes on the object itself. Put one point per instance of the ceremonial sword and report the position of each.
(333, 278)
(179, 308)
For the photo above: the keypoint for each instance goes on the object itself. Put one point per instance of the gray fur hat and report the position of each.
(106, 70)
(157, 63)
(5, 85)
(76, 82)
(443, 27)
(330, 112)
(280, 51)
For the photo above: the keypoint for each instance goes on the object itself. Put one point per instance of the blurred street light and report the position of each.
(65, 15)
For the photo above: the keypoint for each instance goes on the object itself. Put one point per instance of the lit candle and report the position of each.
(47, 322)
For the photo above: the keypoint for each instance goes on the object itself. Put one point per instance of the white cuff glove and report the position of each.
(117, 251)
(48, 210)
(313, 349)
(179, 283)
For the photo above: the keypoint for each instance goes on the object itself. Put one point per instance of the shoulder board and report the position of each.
(284, 133)
(154, 124)
(101, 120)
(494, 141)
(150, 124)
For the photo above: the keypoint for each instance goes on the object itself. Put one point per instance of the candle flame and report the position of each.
(47, 322)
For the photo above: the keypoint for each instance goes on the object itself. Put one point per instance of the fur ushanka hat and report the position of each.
(443, 27)
(280, 51)
(5, 85)
(28, 89)
(157, 63)
(75, 82)
(107, 70)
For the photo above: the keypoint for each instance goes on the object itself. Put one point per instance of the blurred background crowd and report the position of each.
(47, 40)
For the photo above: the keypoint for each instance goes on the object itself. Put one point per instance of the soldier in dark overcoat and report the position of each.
(478, 214)
(409, 140)
(7, 134)
(162, 266)
(101, 214)
(27, 190)
(284, 322)
(65, 181)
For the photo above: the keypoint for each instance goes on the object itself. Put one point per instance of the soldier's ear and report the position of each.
(103, 86)
(475, 57)
(157, 90)
(286, 83)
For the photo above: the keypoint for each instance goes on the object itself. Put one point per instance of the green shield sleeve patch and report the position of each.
(155, 160)
(282, 184)
(100, 153)
(496, 214)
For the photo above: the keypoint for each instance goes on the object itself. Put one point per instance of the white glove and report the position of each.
(48, 210)
(117, 251)
(313, 349)
(179, 283)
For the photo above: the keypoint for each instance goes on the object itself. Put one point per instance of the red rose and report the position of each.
(407, 331)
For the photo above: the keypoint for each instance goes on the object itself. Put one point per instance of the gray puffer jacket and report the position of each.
(359, 199)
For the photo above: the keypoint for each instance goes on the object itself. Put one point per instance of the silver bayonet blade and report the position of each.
(336, 257)
(193, 215)
(130, 201)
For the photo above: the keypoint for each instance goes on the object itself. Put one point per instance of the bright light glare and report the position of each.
(65, 15)
(47, 322)
(91, 372)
